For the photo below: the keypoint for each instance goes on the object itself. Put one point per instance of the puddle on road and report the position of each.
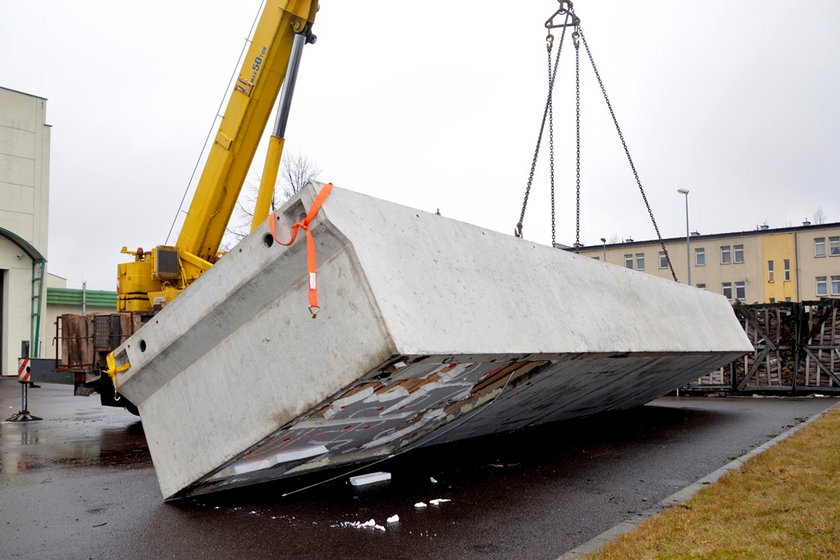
(71, 443)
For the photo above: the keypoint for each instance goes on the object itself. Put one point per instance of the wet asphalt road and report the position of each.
(80, 484)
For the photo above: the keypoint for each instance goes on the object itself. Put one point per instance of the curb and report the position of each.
(681, 496)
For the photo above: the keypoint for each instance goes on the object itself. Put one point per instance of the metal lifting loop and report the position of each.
(565, 9)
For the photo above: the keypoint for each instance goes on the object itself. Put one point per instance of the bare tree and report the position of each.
(819, 216)
(296, 170)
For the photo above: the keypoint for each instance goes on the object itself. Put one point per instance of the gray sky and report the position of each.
(437, 105)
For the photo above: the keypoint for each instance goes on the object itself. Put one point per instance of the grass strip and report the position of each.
(783, 503)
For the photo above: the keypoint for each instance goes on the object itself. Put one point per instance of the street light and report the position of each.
(687, 235)
(604, 241)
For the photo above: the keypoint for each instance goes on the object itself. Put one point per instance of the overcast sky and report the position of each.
(437, 105)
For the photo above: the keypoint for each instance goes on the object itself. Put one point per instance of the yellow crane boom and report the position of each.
(158, 276)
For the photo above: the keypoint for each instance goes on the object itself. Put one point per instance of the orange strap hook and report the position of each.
(311, 264)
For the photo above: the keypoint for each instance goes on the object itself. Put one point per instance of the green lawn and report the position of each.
(783, 503)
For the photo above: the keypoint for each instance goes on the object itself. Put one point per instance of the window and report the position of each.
(725, 254)
(835, 285)
(771, 276)
(701, 286)
(787, 270)
(834, 246)
(628, 261)
(640, 261)
(819, 246)
(787, 299)
(739, 253)
(740, 291)
(822, 286)
(727, 290)
(700, 256)
(596, 258)
(663, 260)
(772, 300)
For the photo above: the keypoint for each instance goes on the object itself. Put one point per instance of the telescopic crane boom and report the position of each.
(154, 278)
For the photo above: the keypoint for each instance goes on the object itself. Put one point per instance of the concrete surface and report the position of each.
(80, 484)
(418, 314)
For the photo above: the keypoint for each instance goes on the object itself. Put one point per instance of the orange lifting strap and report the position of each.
(311, 265)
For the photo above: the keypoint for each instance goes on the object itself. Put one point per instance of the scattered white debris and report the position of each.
(433, 480)
(393, 519)
(369, 478)
(420, 505)
(369, 524)
(438, 501)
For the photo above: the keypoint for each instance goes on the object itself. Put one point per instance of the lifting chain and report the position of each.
(552, 74)
(627, 152)
(571, 20)
(551, 151)
(576, 39)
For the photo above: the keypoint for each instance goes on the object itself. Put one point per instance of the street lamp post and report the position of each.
(604, 241)
(687, 235)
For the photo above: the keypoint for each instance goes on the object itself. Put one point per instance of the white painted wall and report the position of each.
(24, 210)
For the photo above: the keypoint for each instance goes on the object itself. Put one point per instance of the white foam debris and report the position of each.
(433, 480)
(369, 478)
(438, 501)
(393, 519)
(420, 505)
(369, 524)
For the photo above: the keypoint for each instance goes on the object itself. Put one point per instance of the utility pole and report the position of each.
(687, 235)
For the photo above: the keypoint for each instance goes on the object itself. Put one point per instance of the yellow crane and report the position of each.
(156, 277)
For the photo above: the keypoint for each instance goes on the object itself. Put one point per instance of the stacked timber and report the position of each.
(821, 345)
(796, 347)
(774, 330)
(75, 342)
(83, 341)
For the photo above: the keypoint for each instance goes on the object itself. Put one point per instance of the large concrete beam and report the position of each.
(430, 330)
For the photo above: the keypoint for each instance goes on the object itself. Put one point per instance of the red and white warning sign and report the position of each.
(23, 370)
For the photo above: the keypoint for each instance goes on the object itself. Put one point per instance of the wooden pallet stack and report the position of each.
(796, 347)
(821, 346)
(84, 340)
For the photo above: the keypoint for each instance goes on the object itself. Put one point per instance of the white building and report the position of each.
(24, 213)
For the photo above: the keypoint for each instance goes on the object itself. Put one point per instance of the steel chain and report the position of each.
(551, 153)
(575, 37)
(553, 74)
(627, 152)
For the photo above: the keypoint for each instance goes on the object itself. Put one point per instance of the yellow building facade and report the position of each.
(761, 266)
